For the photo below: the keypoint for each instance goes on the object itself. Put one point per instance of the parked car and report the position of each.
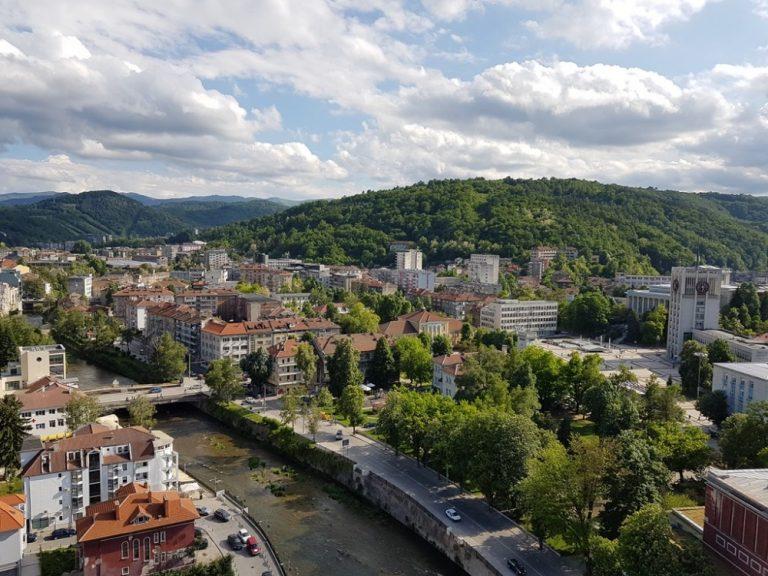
(222, 515)
(62, 533)
(202, 510)
(516, 566)
(453, 514)
(243, 535)
(339, 434)
(252, 546)
(234, 542)
(31, 537)
(156, 390)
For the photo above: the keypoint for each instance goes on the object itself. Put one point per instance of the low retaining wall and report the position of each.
(370, 486)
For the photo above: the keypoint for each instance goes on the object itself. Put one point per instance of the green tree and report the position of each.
(719, 351)
(636, 477)
(168, 358)
(82, 247)
(681, 447)
(744, 437)
(257, 366)
(351, 406)
(553, 390)
(654, 328)
(660, 404)
(479, 373)
(563, 489)
(441, 345)
(314, 415)
(344, 367)
(612, 407)
(415, 359)
(325, 400)
(80, 410)
(714, 405)
(581, 375)
(605, 557)
(382, 371)
(646, 547)
(13, 429)
(225, 379)
(695, 367)
(589, 314)
(142, 412)
(306, 361)
(360, 319)
(289, 408)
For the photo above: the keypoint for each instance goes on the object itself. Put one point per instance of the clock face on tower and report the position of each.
(702, 287)
(676, 285)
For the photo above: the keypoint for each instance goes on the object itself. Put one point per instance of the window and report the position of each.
(156, 537)
(125, 571)
(52, 411)
(136, 549)
(52, 423)
(61, 422)
(39, 412)
(162, 536)
(147, 547)
(124, 550)
(39, 426)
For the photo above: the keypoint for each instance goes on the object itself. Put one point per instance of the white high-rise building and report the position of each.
(530, 318)
(484, 268)
(694, 303)
(409, 259)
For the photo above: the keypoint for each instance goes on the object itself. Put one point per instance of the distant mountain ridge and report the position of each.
(57, 217)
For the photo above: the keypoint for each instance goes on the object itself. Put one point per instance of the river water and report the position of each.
(90, 376)
(317, 528)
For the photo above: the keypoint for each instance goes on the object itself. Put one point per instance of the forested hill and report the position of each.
(630, 229)
(62, 217)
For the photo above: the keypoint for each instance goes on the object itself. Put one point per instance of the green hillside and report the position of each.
(630, 229)
(204, 214)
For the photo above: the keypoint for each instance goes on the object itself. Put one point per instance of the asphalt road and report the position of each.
(494, 535)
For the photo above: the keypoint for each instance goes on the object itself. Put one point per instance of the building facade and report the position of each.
(81, 285)
(44, 403)
(139, 532)
(445, 370)
(410, 259)
(34, 363)
(745, 349)
(642, 301)
(272, 279)
(529, 318)
(422, 322)
(694, 303)
(742, 382)
(736, 519)
(184, 323)
(216, 259)
(483, 268)
(13, 536)
(62, 478)
(640, 280)
(10, 299)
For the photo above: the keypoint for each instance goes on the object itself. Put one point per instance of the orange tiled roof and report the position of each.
(292, 324)
(47, 392)
(11, 518)
(118, 517)
(363, 343)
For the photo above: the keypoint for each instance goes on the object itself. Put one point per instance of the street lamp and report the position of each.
(699, 355)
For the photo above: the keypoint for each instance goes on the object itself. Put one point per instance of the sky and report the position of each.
(322, 98)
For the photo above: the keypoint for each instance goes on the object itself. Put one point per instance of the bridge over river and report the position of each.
(116, 397)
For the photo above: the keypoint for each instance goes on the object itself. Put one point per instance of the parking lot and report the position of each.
(217, 531)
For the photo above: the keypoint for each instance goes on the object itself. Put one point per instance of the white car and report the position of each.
(453, 515)
(243, 535)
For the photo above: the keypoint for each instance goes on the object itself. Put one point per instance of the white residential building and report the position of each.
(44, 403)
(642, 301)
(694, 303)
(412, 280)
(409, 259)
(745, 349)
(34, 363)
(10, 299)
(742, 382)
(81, 285)
(13, 536)
(640, 280)
(529, 318)
(484, 268)
(216, 259)
(64, 477)
(445, 370)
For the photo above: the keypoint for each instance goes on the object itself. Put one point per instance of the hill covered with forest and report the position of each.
(625, 228)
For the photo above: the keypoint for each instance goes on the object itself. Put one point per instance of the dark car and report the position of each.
(234, 542)
(31, 537)
(203, 510)
(60, 533)
(517, 566)
(222, 515)
(156, 390)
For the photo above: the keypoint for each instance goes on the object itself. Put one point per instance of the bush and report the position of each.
(221, 567)
(57, 562)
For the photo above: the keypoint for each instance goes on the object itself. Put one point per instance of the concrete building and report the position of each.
(44, 403)
(640, 280)
(422, 322)
(529, 318)
(208, 302)
(412, 280)
(13, 536)
(736, 519)
(542, 257)
(455, 305)
(34, 363)
(641, 301)
(483, 268)
(285, 373)
(10, 299)
(139, 532)
(273, 279)
(745, 349)
(694, 303)
(410, 259)
(64, 477)
(184, 323)
(216, 259)
(742, 382)
(81, 285)
(122, 299)
(445, 370)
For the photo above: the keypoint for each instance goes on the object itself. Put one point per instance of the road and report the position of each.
(190, 389)
(494, 535)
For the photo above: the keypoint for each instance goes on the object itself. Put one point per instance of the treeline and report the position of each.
(620, 228)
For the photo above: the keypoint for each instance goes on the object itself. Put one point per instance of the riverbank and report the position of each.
(411, 494)
(317, 526)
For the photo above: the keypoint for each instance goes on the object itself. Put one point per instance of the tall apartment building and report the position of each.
(542, 256)
(10, 299)
(484, 268)
(220, 302)
(409, 259)
(34, 363)
(63, 477)
(123, 299)
(184, 323)
(271, 278)
(81, 285)
(694, 303)
(736, 519)
(412, 280)
(530, 318)
(216, 259)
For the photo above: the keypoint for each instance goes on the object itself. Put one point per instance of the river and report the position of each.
(317, 528)
(90, 376)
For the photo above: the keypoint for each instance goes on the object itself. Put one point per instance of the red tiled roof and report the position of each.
(292, 324)
(363, 343)
(47, 392)
(118, 517)
(11, 518)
